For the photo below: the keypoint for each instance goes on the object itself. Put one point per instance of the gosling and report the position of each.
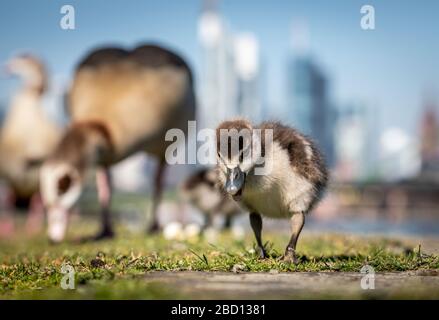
(273, 171)
(202, 191)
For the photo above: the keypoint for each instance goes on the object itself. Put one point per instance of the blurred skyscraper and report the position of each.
(217, 85)
(310, 109)
(430, 142)
(247, 66)
(355, 138)
(309, 106)
(230, 75)
(399, 155)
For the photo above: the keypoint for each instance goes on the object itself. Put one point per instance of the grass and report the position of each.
(31, 268)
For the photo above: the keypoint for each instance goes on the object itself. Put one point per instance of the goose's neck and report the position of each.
(35, 85)
(86, 145)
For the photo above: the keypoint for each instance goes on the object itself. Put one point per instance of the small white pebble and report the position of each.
(238, 233)
(192, 231)
(274, 271)
(173, 231)
(211, 235)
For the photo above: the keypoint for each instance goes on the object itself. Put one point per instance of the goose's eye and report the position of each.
(64, 184)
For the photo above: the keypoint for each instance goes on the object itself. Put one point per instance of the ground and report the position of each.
(134, 266)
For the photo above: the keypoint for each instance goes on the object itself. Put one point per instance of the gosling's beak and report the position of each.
(235, 182)
(232, 189)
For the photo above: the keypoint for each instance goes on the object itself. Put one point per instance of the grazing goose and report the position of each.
(27, 136)
(202, 191)
(120, 102)
(293, 181)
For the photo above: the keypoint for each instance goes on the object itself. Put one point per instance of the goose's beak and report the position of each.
(57, 219)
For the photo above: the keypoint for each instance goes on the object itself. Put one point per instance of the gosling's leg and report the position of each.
(256, 223)
(297, 222)
(227, 222)
(207, 220)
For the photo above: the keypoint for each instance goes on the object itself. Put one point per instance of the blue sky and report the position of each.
(389, 68)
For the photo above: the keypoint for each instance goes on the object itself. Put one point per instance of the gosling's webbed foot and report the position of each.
(290, 256)
(262, 253)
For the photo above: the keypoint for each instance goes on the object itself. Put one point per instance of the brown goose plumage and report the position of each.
(120, 102)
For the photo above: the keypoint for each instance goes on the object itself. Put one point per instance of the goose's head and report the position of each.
(63, 174)
(61, 185)
(30, 69)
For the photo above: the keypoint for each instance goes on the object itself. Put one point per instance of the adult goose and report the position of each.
(120, 102)
(28, 135)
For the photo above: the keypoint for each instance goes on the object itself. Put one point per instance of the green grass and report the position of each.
(31, 268)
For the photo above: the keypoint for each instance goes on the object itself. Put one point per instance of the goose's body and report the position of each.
(121, 102)
(292, 184)
(136, 95)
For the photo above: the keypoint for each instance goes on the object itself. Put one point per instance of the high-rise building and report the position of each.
(247, 66)
(310, 109)
(230, 71)
(218, 79)
(352, 142)
(429, 144)
(399, 155)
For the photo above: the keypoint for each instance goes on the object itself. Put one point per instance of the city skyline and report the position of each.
(389, 68)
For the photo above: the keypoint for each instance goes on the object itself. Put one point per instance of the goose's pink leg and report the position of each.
(35, 219)
(103, 184)
(7, 224)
